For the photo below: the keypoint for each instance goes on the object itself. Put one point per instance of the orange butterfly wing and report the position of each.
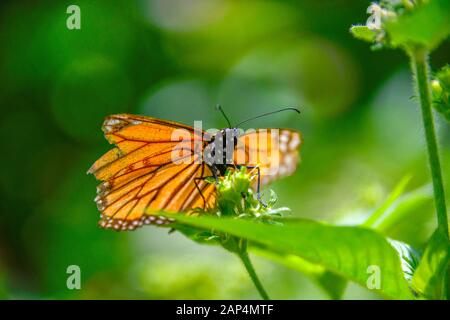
(139, 176)
(274, 151)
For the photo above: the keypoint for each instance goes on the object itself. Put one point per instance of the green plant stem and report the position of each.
(420, 67)
(243, 254)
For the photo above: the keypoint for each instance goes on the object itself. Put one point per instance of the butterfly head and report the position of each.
(230, 137)
(231, 132)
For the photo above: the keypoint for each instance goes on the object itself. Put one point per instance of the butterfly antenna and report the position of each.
(266, 114)
(219, 107)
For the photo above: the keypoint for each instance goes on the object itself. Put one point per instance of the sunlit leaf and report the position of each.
(440, 88)
(401, 208)
(347, 251)
(409, 258)
(333, 284)
(428, 280)
(427, 25)
(363, 33)
(394, 195)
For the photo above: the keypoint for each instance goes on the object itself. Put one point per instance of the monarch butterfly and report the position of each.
(140, 178)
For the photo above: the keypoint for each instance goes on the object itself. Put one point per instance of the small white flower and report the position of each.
(374, 21)
(377, 15)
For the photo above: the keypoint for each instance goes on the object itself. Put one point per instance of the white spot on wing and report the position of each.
(284, 137)
(294, 143)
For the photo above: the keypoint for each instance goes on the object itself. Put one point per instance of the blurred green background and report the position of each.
(176, 60)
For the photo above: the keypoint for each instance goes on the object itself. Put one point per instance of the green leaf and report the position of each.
(440, 88)
(402, 208)
(443, 75)
(409, 258)
(428, 280)
(393, 216)
(376, 217)
(363, 33)
(427, 25)
(333, 284)
(347, 251)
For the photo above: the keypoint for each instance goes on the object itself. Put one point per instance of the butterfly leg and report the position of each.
(199, 190)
